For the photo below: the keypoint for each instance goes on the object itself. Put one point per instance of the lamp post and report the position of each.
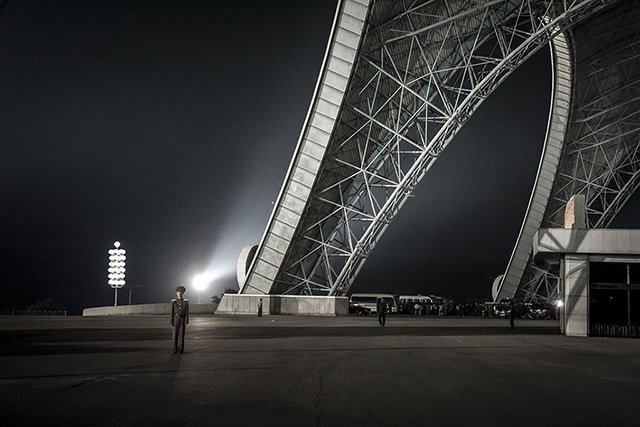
(117, 261)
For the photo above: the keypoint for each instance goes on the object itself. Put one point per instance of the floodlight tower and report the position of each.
(117, 261)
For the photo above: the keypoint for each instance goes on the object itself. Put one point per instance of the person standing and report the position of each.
(260, 308)
(381, 307)
(512, 314)
(179, 319)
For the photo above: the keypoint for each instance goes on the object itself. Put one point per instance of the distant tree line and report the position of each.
(45, 307)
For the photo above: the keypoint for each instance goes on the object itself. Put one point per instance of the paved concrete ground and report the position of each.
(324, 371)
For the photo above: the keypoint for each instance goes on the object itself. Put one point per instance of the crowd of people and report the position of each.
(450, 308)
(446, 308)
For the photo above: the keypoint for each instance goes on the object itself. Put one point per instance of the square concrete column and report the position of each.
(576, 295)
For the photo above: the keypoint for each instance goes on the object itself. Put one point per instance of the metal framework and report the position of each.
(601, 157)
(415, 72)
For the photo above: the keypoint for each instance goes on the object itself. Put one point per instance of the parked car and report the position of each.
(355, 308)
(539, 311)
(503, 308)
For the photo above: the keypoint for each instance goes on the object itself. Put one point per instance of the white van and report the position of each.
(371, 300)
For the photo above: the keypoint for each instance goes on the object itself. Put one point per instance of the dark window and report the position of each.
(609, 306)
(364, 300)
(635, 273)
(635, 307)
(608, 272)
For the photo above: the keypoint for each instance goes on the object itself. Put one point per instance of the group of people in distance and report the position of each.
(448, 308)
(180, 313)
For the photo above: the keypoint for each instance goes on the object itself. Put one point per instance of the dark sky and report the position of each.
(169, 126)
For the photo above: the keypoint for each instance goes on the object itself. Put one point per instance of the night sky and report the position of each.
(169, 126)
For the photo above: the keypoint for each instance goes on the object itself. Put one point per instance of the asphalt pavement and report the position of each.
(313, 371)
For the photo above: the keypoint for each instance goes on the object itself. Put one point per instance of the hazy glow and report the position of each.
(201, 281)
(559, 303)
(223, 262)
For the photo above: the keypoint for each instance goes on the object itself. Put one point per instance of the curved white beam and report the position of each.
(547, 169)
(332, 83)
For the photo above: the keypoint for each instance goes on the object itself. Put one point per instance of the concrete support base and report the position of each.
(283, 304)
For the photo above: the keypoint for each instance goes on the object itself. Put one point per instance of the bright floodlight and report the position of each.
(201, 281)
(559, 303)
(117, 262)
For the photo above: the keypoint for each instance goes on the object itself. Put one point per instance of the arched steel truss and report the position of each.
(417, 72)
(601, 155)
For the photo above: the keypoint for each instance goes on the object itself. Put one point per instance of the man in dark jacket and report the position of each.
(512, 314)
(381, 307)
(179, 319)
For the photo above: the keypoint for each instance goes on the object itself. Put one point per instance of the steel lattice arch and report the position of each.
(399, 80)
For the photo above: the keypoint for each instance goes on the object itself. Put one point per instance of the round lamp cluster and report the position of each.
(117, 261)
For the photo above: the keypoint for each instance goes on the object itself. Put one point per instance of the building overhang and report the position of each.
(551, 243)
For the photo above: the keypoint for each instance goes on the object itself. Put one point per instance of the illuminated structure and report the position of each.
(117, 262)
(399, 80)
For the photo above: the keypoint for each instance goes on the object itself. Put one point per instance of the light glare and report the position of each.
(201, 281)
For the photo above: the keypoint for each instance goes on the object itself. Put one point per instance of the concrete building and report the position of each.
(599, 273)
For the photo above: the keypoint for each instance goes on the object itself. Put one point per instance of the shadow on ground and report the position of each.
(84, 341)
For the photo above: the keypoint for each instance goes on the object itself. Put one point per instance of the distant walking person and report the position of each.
(260, 308)
(512, 315)
(179, 319)
(382, 311)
